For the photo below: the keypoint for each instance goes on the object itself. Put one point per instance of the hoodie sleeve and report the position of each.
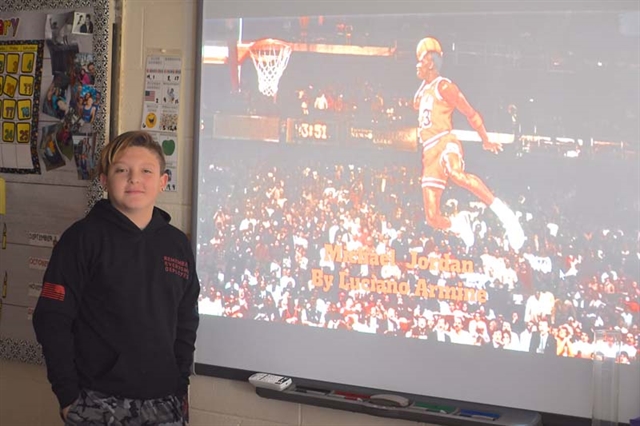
(55, 313)
(187, 325)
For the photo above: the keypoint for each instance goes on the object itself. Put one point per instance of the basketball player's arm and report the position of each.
(452, 94)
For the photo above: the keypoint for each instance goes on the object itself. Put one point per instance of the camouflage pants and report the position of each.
(96, 409)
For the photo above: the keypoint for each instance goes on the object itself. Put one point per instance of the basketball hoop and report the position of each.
(270, 58)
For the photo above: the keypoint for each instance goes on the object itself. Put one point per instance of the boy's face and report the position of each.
(134, 181)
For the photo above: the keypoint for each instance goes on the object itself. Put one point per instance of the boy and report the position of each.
(117, 316)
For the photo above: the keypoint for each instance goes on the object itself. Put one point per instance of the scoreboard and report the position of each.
(346, 133)
(311, 131)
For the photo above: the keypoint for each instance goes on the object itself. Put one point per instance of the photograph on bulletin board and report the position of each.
(49, 93)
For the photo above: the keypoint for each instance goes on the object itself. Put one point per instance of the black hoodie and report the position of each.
(118, 309)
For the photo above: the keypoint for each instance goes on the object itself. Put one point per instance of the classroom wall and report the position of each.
(25, 395)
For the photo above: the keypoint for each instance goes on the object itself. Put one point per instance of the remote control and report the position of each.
(270, 381)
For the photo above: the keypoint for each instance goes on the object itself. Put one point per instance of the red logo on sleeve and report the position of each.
(53, 291)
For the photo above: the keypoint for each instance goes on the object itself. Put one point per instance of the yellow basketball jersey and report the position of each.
(434, 113)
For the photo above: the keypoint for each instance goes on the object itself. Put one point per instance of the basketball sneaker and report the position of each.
(461, 227)
(512, 227)
(515, 233)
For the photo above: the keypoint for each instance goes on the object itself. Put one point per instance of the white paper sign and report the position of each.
(38, 264)
(43, 240)
(34, 290)
(160, 111)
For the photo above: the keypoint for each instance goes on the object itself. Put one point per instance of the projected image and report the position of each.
(466, 181)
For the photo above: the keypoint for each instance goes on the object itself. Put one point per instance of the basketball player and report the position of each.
(442, 155)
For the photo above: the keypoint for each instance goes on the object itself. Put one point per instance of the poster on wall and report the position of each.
(49, 100)
(20, 65)
(161, 106)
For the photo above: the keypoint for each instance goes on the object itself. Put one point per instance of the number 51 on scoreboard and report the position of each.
(310, 131)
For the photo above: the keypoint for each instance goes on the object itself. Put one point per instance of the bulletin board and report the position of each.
(54, 104)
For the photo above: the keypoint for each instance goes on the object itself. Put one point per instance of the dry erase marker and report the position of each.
(350, 396)
(312, 391)
(479, 414)
(435, 408)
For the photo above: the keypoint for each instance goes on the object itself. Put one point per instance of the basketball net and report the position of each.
(270, 58)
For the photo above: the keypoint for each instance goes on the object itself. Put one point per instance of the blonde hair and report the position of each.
(126, 140)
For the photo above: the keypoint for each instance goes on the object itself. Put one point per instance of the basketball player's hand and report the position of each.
(494, 147)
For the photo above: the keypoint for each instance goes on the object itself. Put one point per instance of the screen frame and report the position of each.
(251, 9)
